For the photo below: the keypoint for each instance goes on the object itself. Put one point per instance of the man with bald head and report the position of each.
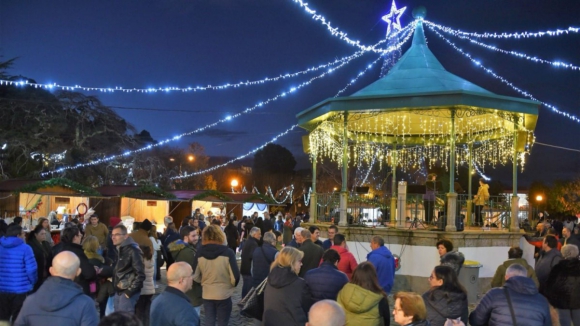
(172, 307)
(59, 300)
(326, 313)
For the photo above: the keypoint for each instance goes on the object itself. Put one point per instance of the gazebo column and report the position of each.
(344, 190)
(451, 196)
(469, 180)
(514, 225)
(394, 189)
(313, 199)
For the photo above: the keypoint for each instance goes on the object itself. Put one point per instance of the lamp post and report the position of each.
(234, 184)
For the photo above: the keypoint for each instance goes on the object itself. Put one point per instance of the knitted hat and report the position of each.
(146, 225)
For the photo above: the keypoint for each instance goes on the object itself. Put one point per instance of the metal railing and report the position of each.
(365, 211)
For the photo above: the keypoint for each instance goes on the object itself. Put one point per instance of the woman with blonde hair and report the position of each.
(363, 298)
(286, 296)
(216, 269)
(409, 309)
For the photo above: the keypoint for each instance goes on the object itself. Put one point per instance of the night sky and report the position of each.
(147, 43)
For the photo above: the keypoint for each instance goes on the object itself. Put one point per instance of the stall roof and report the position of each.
(138, 192)
(55, 186)
(216, 196)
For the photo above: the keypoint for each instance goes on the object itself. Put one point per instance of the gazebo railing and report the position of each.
(365, 211)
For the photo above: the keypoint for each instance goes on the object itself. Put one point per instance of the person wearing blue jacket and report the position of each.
(172, 307)
(384, 263)
(326, 281)
(59, 300)
(18, 272)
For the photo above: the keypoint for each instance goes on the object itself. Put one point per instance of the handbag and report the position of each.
(252, 305)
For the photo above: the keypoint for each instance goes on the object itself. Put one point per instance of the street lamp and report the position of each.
(191, 158)
(234, 184)
(539, 198)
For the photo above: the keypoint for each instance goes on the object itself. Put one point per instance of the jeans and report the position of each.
(122, 303)
(198, 310)
(217, 312)
(10, 305)
(247, 286)
(569, 317)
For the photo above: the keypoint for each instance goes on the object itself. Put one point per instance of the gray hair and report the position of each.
(306, 234)
(569, 251)
(326, 313)
(298, 230)
(270, 237)
(254, 230)
(516, 270)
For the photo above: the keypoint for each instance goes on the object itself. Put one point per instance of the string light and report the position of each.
(179, 89)
(341, 35)
(213, 168)
(228, 118)
(518, 54)
(505, 81)
(178, 137)
(307, 197)
(360, 74)
(255, 190)
(557, 32)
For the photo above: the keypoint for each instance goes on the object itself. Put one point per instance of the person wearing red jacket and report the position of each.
(347, 262)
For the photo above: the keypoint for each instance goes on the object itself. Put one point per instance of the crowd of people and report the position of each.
(104, 275)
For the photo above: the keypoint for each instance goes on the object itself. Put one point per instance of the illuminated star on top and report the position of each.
(394, 18)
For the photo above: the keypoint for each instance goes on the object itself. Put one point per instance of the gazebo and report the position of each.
(419, 113)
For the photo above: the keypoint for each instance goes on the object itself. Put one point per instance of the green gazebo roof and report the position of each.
(419, 82)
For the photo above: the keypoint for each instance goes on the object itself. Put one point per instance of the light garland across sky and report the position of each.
(340, 34)
(180, 89)
(557, 32)
(503, 80)
(228, 118)
(213, 168)
(275, 138)
(178, 137)
(515, 53)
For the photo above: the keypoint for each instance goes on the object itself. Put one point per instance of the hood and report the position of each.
(129, 242)
(212, 251)
(521, 284)
(485, 186)
(280, 277)
(450, 304)
(11, 242)
(57, 293)
(382, 251)
(358, 300)
(339, 249)
(178, 245)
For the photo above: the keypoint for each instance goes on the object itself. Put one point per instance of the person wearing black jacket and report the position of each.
(232, 235)
(129, 272)
(42, 254)
(312, 253)
(286, 296)
(71, 241)
(250, 245)
(262, 258)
